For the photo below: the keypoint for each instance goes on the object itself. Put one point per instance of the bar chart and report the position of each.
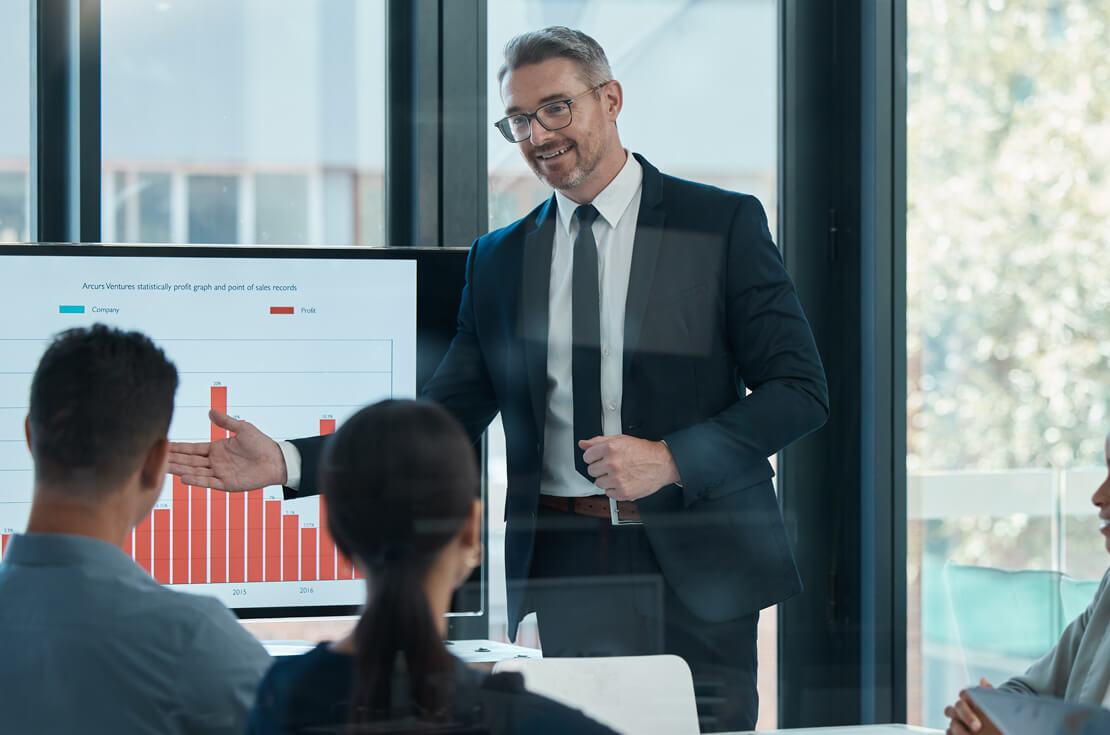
(293, 370)
(207, 536)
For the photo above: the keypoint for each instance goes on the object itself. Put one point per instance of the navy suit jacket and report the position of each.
(710, 313)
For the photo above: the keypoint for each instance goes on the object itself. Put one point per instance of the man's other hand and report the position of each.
(246, 461)
(627, 468)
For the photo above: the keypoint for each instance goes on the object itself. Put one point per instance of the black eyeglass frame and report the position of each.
(569, 102)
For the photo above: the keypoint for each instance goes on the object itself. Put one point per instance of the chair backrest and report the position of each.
(1076, 596)
(630, 694)
(1012, 614)
(1007, 620)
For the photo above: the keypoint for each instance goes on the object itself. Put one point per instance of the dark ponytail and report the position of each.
(397, 629)
(400, 479)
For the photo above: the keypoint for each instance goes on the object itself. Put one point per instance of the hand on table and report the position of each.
(627, 468)
(964, 719)
(246, 461)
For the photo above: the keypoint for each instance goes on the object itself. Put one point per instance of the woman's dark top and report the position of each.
(310, 694)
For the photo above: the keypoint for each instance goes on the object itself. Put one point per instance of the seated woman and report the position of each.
(402, 492)
(1078, 667)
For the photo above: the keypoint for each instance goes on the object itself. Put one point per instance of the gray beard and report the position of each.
(577, 176)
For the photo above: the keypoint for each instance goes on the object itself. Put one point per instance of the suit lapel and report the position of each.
(536, 285)
(645, 254)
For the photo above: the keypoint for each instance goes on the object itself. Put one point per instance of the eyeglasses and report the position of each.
(552, 116)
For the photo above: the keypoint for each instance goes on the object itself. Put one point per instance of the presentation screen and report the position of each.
(292, 341)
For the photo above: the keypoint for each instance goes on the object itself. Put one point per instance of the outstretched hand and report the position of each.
(246, 461)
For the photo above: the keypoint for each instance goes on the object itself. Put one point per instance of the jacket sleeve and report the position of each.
(776, 357)
(462, 383)
(1049, 676)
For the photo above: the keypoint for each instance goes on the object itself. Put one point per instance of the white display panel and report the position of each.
(292, 345)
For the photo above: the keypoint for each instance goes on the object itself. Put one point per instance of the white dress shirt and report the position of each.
(615, 232)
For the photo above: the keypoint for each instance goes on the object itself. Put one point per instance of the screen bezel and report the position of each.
(432, 302)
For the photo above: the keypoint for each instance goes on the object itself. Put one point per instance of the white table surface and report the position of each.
(851, 730)
(472, 652)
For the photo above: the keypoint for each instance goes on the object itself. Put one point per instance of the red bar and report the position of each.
(237, 535)
(308, 553)
(289, 548)
(162, 545)
(180, 533)
(281, 309)
(4, 544)
(327, 546)
(127, 544)
(218, 396)
(255, 529)
(142, 544)
(273, 540)
(217, 541)
(198, 533)
(346, 571)
(218, 533)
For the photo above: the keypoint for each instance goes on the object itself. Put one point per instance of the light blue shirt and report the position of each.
(90, 643)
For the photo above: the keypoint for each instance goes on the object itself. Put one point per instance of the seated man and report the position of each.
(1078, 668)
(88, 641)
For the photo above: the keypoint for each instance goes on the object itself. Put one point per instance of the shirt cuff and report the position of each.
(664, 443)
(292, 465)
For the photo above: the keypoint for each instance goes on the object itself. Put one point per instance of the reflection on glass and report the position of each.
(286, 98)
(1008, 334)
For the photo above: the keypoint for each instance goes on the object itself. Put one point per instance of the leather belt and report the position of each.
(594, 506)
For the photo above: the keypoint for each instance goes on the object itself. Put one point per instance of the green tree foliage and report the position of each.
(1008, 233)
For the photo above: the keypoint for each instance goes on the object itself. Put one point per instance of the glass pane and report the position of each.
(1008, 332)
(279, 218)
(260, 121)
(213, 209)
(15, 122)
(642, 38)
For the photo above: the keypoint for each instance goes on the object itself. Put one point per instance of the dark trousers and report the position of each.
(597, 590)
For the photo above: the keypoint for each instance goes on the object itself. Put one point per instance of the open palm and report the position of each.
(246, 461)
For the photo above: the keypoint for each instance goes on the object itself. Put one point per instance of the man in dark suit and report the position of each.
(617, 329)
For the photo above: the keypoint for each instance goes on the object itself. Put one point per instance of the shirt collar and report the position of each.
(613, 200)
(61, 549)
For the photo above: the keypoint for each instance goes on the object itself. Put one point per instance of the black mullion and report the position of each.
(88, 119)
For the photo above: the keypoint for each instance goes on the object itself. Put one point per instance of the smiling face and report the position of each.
(1101, 499)
(573, 158)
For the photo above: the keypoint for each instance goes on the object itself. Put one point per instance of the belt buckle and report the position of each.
(614, 516)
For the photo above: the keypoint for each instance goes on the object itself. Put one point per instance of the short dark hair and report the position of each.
(536, 47)
(99, 399)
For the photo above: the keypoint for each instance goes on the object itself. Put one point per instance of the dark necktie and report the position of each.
(586, 336)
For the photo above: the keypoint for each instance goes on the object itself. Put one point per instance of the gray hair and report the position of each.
(535, 47)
